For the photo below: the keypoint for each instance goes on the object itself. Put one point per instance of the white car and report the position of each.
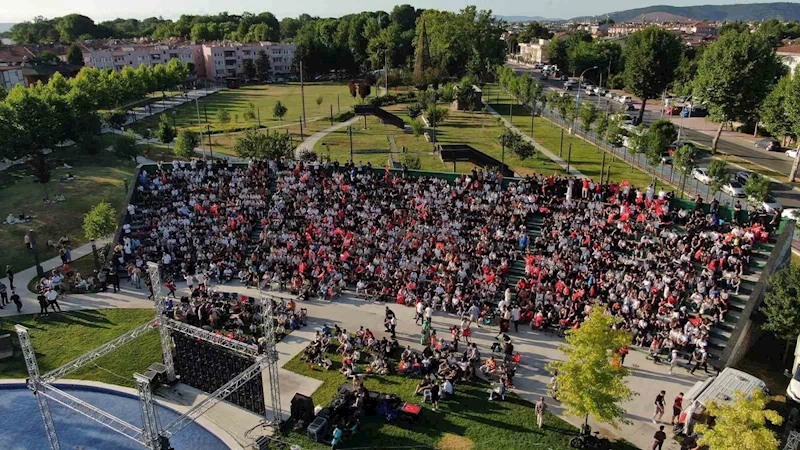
(769, 205)
(625, 99)
(600, 91)
(742, 176)
(701, 174)
(588, 92)
(734, 189)
(791, 153)
(610, 95)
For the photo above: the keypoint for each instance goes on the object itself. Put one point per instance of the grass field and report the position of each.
(264, 97)
(586, 157)
(97, 177)
(61, 337)
(467, 420)
(223, 143)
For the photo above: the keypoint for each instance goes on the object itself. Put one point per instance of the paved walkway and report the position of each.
(311, 141)
(539, 147)
(23, 277)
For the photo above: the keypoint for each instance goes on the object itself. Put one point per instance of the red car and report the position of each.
(673, 110)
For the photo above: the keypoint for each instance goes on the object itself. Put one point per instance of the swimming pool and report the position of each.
(22, 427)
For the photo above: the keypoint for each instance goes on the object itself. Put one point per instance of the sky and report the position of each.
(17, 11)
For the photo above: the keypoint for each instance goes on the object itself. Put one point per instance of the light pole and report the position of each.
(35, 249)
(578, 98)
(94, 255)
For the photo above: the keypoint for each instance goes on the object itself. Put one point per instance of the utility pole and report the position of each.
(511, 113)
(259, 117)
(210, 147)
(205, 111)
(302, 94)
(302, 137)
(561, 145)
(197, 105)
(569, 156)
(386, 69)
(603, 167)
(338, 105)
(331, 115)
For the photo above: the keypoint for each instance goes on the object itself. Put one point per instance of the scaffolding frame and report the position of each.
(151, 435)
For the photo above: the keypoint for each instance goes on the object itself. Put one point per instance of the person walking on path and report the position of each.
(10, 275)
(541, 407)
(659, 438)
(659, 406)
(673, 362)
(393, 326)
(474, 312)
(3, 295)
(515, 312)
(16, 300)
(418, 312)
(677, 407)
(113, 278)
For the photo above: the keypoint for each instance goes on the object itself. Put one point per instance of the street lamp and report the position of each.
(35, 249)
(578, 98)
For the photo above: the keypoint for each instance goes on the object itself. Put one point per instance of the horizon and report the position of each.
(549, 9)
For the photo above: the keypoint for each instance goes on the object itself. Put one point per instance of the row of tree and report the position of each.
(44, 115)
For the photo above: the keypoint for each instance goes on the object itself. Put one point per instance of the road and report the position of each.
(692, 130)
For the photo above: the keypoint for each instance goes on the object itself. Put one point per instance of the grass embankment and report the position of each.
(467, 420)
(97, 177)
(61, 337)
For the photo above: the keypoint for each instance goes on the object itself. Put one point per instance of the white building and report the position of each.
(790, 55)
(149, 55)
(11, 76)
(224, 60)
(534, 52)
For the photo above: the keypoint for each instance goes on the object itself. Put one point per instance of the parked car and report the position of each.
(588, 92)
(600, 91)
(673, 110)
(701, 174)
(734, 189)
(628, 106)
(742, 176)
(610, 95)
(678, 144)
(769, 144)
(564, 78)
(666, 158)
(624, 99)
(791, 153)
(769, 205)
(695, 111)
(570, 84)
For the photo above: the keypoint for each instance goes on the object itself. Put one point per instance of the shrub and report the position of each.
(100, 222)
(344, 115)
(186, 143)
(412, 161)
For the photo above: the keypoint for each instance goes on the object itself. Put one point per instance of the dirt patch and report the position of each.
(454, 442)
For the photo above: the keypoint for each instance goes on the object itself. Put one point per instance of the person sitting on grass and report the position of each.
(490, 367)
(424, 385)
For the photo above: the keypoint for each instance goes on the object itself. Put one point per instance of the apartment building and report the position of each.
(131, 55)
(226, 59)
(534, 52)
(790, 56)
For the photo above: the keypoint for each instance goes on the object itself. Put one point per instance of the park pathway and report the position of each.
(311, 141)
(539, 147)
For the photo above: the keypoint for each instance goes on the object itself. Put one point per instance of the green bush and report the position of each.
(617, 81)
(344, 115)
(412, 161)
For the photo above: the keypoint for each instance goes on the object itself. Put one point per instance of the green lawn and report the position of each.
(264, 97)
(465, 420)
(61, 337)
(223, 143)
(585, 157)
(98, 177)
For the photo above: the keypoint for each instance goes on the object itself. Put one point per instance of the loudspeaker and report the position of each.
(318, 429)
(302, 408)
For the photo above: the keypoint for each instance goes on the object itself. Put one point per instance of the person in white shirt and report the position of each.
(52, 299)
(515, 312)
(419, 310)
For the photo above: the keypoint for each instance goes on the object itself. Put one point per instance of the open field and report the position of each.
(263, 97)
(97, 177)
(61, 337)
(223, 143)
(465, 420)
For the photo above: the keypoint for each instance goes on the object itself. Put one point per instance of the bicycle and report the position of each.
(588, 440)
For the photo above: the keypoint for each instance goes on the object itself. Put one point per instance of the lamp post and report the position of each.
(578, 98)
(35, 249)
(94, 255)
(210, 148)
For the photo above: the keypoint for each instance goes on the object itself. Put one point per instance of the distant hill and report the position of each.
(659, 17)
(526, 19)
(5, 27)
(750, 11)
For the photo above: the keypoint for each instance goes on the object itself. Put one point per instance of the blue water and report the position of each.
(21, 424)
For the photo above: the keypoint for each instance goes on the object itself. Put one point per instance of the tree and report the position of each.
(417, 127)
(718, 174)
(534, 31)
(422, 56)
(588, 115)
(660, 135)
(250, 113)
(100, 221)
(319, 101)
(685, 160)
(353, 88)
(73, 26)
(602, 126)
(734, 76)
(614, 132)
(46, 57)
(200, 32)
(40, 169)
(255, 145)
(279, 111)
(589, 383)
(364, 89)
(435, 115)
(125, 146)
(223, 116)
(165, 132)
(741, 424)
(249, 69)
(782, 303)
(74, 55)
(757, 189)
(187, 141)
(651, 56)
(774, 111)
(793, 112)
(263, 66)
(412, 161)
